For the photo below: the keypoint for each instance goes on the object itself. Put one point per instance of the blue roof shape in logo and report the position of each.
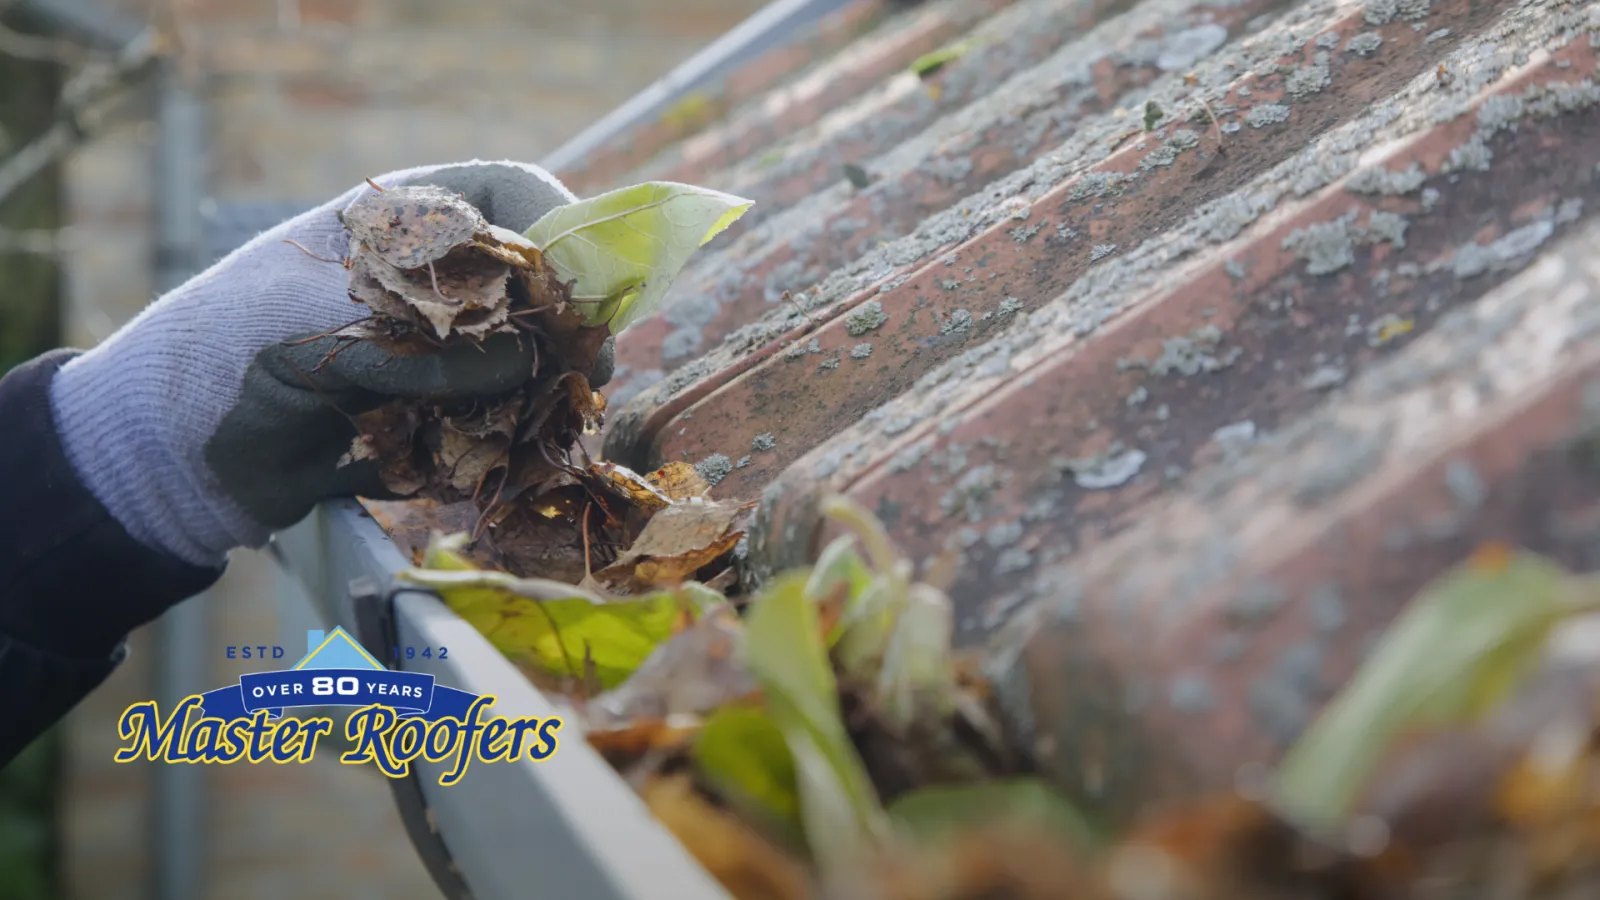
(335, 650)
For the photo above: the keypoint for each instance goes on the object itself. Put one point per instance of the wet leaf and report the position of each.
(621, 250)
(917, 681)
(465, 460)
(839, 807)
(862, 633)
(629, 485)
(695, 673)
(626, 745)
(679, 481)
(462, 292)
(549, 625)
(747, 865)
(388, 434)
(742, 754)
(840, 571)
(999, 862)
(1229, 847)
(933, 813)
(675, 543)
(1458, 649)
(589, 406)
(409, 227)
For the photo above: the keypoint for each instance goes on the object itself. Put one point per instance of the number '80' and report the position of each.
(324, 686)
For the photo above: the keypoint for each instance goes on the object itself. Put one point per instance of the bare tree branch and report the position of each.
(40, 49)
(86, 98)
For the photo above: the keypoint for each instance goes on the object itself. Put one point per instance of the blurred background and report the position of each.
(139, 141)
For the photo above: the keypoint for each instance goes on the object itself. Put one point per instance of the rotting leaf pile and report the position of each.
(434, 273)
(824, 742)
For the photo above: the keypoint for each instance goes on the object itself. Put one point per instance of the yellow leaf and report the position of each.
(551, 625)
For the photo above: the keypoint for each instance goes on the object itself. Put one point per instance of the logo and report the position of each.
(398, 717)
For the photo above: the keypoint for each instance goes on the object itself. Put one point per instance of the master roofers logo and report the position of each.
(398, 717)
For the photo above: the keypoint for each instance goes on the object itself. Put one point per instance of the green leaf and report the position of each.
(785, 653)
(932, 813)
(838, 564)
(701, 599)
(861, 636)
(743, 755)
(622, 249)
(928, 64)
(549, 624)
(1456, 652)
(917, 681)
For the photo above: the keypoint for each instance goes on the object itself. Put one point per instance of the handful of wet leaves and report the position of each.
(434, 272)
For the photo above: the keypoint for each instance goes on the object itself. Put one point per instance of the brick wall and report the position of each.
(307, 97)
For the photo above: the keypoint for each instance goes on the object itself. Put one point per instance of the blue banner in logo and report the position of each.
(407, 692)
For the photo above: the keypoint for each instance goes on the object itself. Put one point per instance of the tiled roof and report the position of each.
(1200, 401)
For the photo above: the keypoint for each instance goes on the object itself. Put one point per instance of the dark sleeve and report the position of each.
(73, 583)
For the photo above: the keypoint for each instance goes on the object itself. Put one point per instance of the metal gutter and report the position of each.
(775, 24)
(568, 826)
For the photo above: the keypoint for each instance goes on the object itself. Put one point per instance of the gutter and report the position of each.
(773, 25)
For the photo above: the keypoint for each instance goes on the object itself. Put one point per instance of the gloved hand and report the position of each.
(201, 425)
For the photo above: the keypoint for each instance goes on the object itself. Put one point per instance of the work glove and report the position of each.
(205, 423)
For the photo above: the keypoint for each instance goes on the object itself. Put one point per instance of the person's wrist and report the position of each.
(126, 422)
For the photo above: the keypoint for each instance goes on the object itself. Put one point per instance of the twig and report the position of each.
(85, 101)
(375, 186)
(587, 571)
(301, 247)
(1216, 123)
(435, 276)
(789, 299)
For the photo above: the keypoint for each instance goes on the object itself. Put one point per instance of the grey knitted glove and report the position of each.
(201, 426)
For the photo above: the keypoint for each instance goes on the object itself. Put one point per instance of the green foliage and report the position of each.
(1455, 654)
(928, 64)
(743, 755)
(29, 788)
(622, 249)
(554, 626)
(932, 813)
(839, 807)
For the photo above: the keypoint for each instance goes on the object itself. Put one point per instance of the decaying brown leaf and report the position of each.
(677, 542)
(992, 862)
(747, 865)
(628, 485)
